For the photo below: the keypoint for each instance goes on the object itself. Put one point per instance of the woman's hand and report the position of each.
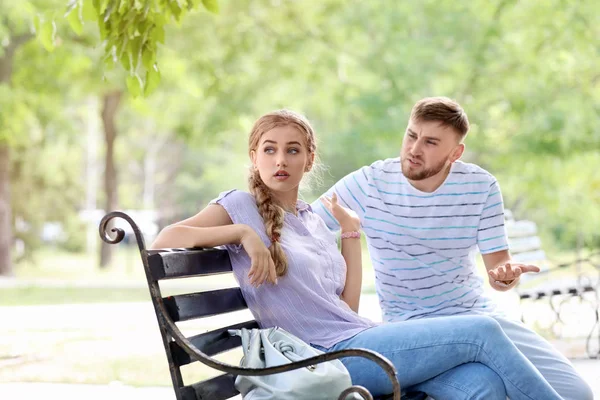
(347, 218)
(262, 268)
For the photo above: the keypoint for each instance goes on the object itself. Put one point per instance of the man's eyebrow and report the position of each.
(426, 137)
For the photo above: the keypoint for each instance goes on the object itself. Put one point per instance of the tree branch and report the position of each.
(6, 61)
(483, 45)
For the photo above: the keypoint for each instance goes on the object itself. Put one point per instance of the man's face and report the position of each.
(427, 149)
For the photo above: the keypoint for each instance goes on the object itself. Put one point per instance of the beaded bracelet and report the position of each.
(351, 234)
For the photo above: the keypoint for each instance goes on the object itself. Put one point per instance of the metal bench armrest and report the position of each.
(196, 354)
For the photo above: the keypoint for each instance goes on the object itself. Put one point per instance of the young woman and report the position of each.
(292, 275)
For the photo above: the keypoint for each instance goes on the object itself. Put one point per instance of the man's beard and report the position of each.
(423, 174)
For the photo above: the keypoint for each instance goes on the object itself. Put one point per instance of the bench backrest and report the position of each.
(526, 246)
(524, 243)
(162, 265)
(182, 263)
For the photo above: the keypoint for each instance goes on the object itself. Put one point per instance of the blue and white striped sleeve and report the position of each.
(352, 193)
(491, 234)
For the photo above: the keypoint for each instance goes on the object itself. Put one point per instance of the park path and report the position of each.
(135, 323)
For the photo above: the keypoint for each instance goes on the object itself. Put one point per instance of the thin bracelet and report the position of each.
(351, 235)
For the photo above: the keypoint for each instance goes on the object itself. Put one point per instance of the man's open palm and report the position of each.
(511, 271)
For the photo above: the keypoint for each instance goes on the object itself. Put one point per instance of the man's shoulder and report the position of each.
(468, 171)
(375, 170)
(386, 166)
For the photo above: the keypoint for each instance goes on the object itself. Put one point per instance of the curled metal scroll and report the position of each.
(120, 234)
(362, 391)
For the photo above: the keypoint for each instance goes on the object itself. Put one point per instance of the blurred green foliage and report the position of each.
(526, 73)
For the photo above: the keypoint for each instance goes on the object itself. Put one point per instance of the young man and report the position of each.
(425, 214)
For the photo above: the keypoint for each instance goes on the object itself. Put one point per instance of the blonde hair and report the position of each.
(271, 212)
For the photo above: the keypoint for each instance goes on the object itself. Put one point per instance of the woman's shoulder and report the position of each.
(242, 209)
(235, 196)
(239, 204)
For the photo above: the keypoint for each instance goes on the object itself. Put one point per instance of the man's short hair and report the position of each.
(447, 111)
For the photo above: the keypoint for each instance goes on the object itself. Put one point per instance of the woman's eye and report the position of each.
(293, 151)
(269, 150)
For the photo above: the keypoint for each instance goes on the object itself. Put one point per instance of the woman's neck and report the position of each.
(287, 200)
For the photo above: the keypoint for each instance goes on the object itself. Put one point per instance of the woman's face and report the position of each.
(282, 158)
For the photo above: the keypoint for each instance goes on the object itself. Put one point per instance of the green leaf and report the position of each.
(158, 34)
(148, 57)
(124, 57)
(71, 6)
(74, 21)
(46, 34)
(134, 85)
(88, 11)
(104, 5)
(175, 10)
(104, 32)
(211, 5)
(152, 80)
(37, 23)
(134, 48)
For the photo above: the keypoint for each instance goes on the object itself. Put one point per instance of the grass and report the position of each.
(68, 349)
(60, 265)
(32, 295)
(92, 357)
(59, 277)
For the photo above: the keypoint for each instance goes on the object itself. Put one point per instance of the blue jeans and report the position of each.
(554, 367)
(424, 349)
(470, 381)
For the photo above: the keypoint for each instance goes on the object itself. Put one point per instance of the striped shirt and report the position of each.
(306, 301)
(423, 245)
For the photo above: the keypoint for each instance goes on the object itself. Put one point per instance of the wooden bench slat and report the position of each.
(524, 244)
(211, 343)
(529, 256)
(184, 307)
(218, 388)
(188, 262)
(520, 228)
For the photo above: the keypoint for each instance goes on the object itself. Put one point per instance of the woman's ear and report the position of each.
(311, 160)
(253, 158)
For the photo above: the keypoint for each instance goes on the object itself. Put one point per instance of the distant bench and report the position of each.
(165, 264)
(526, 247)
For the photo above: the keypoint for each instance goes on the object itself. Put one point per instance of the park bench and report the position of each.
(552, 286)
(164, 264)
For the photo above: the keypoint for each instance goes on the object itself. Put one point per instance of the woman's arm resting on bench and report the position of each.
(213, 227)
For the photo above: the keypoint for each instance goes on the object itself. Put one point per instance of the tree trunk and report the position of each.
(6, 235)
(109, 111)
(6, 267)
